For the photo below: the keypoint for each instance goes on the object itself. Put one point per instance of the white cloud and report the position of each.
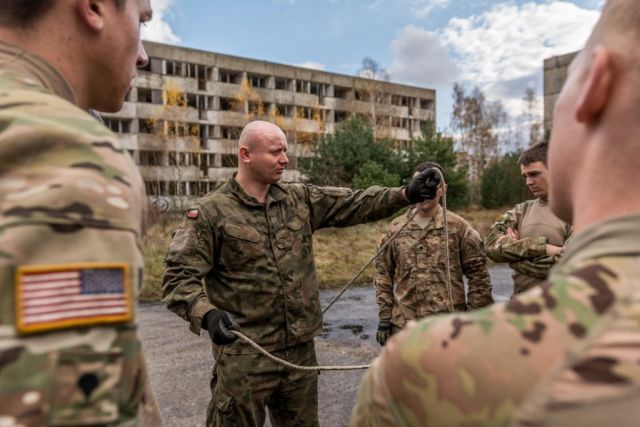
(158, 29)
(419, 58)
(422, 8)
(313, 65)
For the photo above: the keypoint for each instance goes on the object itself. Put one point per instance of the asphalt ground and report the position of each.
(180, 362)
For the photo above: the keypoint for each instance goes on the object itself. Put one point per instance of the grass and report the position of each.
(339, 252)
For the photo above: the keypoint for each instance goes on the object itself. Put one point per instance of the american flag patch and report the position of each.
(57, 297)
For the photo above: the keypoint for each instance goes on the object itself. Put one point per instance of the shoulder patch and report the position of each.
(192, 213)
(52, 297)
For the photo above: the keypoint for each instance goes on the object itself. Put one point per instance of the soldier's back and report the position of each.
(71, 206)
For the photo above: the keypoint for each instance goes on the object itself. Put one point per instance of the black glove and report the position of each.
(423, 186)
(384, 332)
(220, 324)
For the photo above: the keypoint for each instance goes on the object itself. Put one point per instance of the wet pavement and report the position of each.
(180, 362)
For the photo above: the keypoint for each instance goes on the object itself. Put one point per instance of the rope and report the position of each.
(347, 285)
(292, 365)
(378, 252)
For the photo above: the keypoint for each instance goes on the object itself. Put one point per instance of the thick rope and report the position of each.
(292, 365)
(347, 285)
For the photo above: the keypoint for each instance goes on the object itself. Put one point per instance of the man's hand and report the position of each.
(384, 332)
(553, 250)
(219, 324)
(513, 234)
(423, 186)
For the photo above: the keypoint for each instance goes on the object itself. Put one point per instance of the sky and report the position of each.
(496, 45)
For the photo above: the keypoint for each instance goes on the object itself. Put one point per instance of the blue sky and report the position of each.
(494, 44)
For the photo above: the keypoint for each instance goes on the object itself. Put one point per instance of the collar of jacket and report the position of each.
(31, 70)
(436, 223)
(276, 192)
(616, 236)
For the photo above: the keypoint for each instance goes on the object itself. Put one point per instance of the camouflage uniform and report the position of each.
(256, 260)
(537, 226)
(570, 347)
(70, 261)
(411, 273)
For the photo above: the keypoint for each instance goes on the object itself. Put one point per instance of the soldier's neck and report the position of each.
(255, 189)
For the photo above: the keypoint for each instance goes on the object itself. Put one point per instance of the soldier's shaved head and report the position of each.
(594, 145)
(259, 131)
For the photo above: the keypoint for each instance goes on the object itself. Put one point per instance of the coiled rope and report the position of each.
(288, 364)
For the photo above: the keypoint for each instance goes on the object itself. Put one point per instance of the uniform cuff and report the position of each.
(396, 197)
(540, 247)
(199, 308)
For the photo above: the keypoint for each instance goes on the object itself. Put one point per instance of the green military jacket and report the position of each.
(527, 255)
(257, 259)
(411, 273)
(71, 206)
(564, 353)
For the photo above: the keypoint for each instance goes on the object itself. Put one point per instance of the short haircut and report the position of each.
(535, 153)
(428, 165)
(25, 13)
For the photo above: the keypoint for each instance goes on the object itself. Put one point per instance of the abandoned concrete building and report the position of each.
(555, 74)
(182, 119)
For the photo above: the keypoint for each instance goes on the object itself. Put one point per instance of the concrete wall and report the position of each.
(555, 74)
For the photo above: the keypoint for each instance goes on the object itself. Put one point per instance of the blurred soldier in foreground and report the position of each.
(529, 237)
(411, 273)
(71, 213)
(251, 242)
(564, 353)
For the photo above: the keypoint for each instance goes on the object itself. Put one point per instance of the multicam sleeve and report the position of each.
(189, 259)
(537, 267)
(474, 266)
(502, 248)
(383, 279)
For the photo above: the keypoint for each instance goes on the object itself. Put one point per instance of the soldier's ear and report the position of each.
(243, 154)
(91, 14)
(594, 93)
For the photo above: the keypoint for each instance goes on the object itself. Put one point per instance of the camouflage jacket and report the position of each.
(573, 341)
(257, 259)
(71, 206)
(527, 256)
(411, 273)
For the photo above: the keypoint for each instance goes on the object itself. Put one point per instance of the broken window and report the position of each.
(257, 81)
(283, 83)
(228, 76)
(341, 92)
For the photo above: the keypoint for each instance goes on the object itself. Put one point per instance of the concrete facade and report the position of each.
(186, 148)
(555, 74)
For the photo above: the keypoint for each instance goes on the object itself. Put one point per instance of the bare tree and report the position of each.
(476, 122)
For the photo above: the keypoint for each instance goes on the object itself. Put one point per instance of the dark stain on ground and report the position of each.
(355, 298)
(355, 329)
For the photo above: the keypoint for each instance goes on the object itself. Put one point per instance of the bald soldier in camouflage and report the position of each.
(529, 237)
(411, 273)
(564, 353)
(70, 219)
(251, 242)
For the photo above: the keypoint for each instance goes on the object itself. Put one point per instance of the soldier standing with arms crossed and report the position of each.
(72, 206)
(529, 237)
(251, 242)
(564, 353)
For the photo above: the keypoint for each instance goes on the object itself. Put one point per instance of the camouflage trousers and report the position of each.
(244, 384)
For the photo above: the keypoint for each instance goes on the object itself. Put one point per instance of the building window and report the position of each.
(118, 125)
(226, 104)
(426, 104)
(318, 89)
(257, 81)
(283, 83)
(150, 158)
(285, 110)
(340, 116)
(230, 132)
(228, 76)
(175, 68)
(149, 96)
(302, 86)
(229, 160)
(362, 95)
(341, 92)
(304, 113)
